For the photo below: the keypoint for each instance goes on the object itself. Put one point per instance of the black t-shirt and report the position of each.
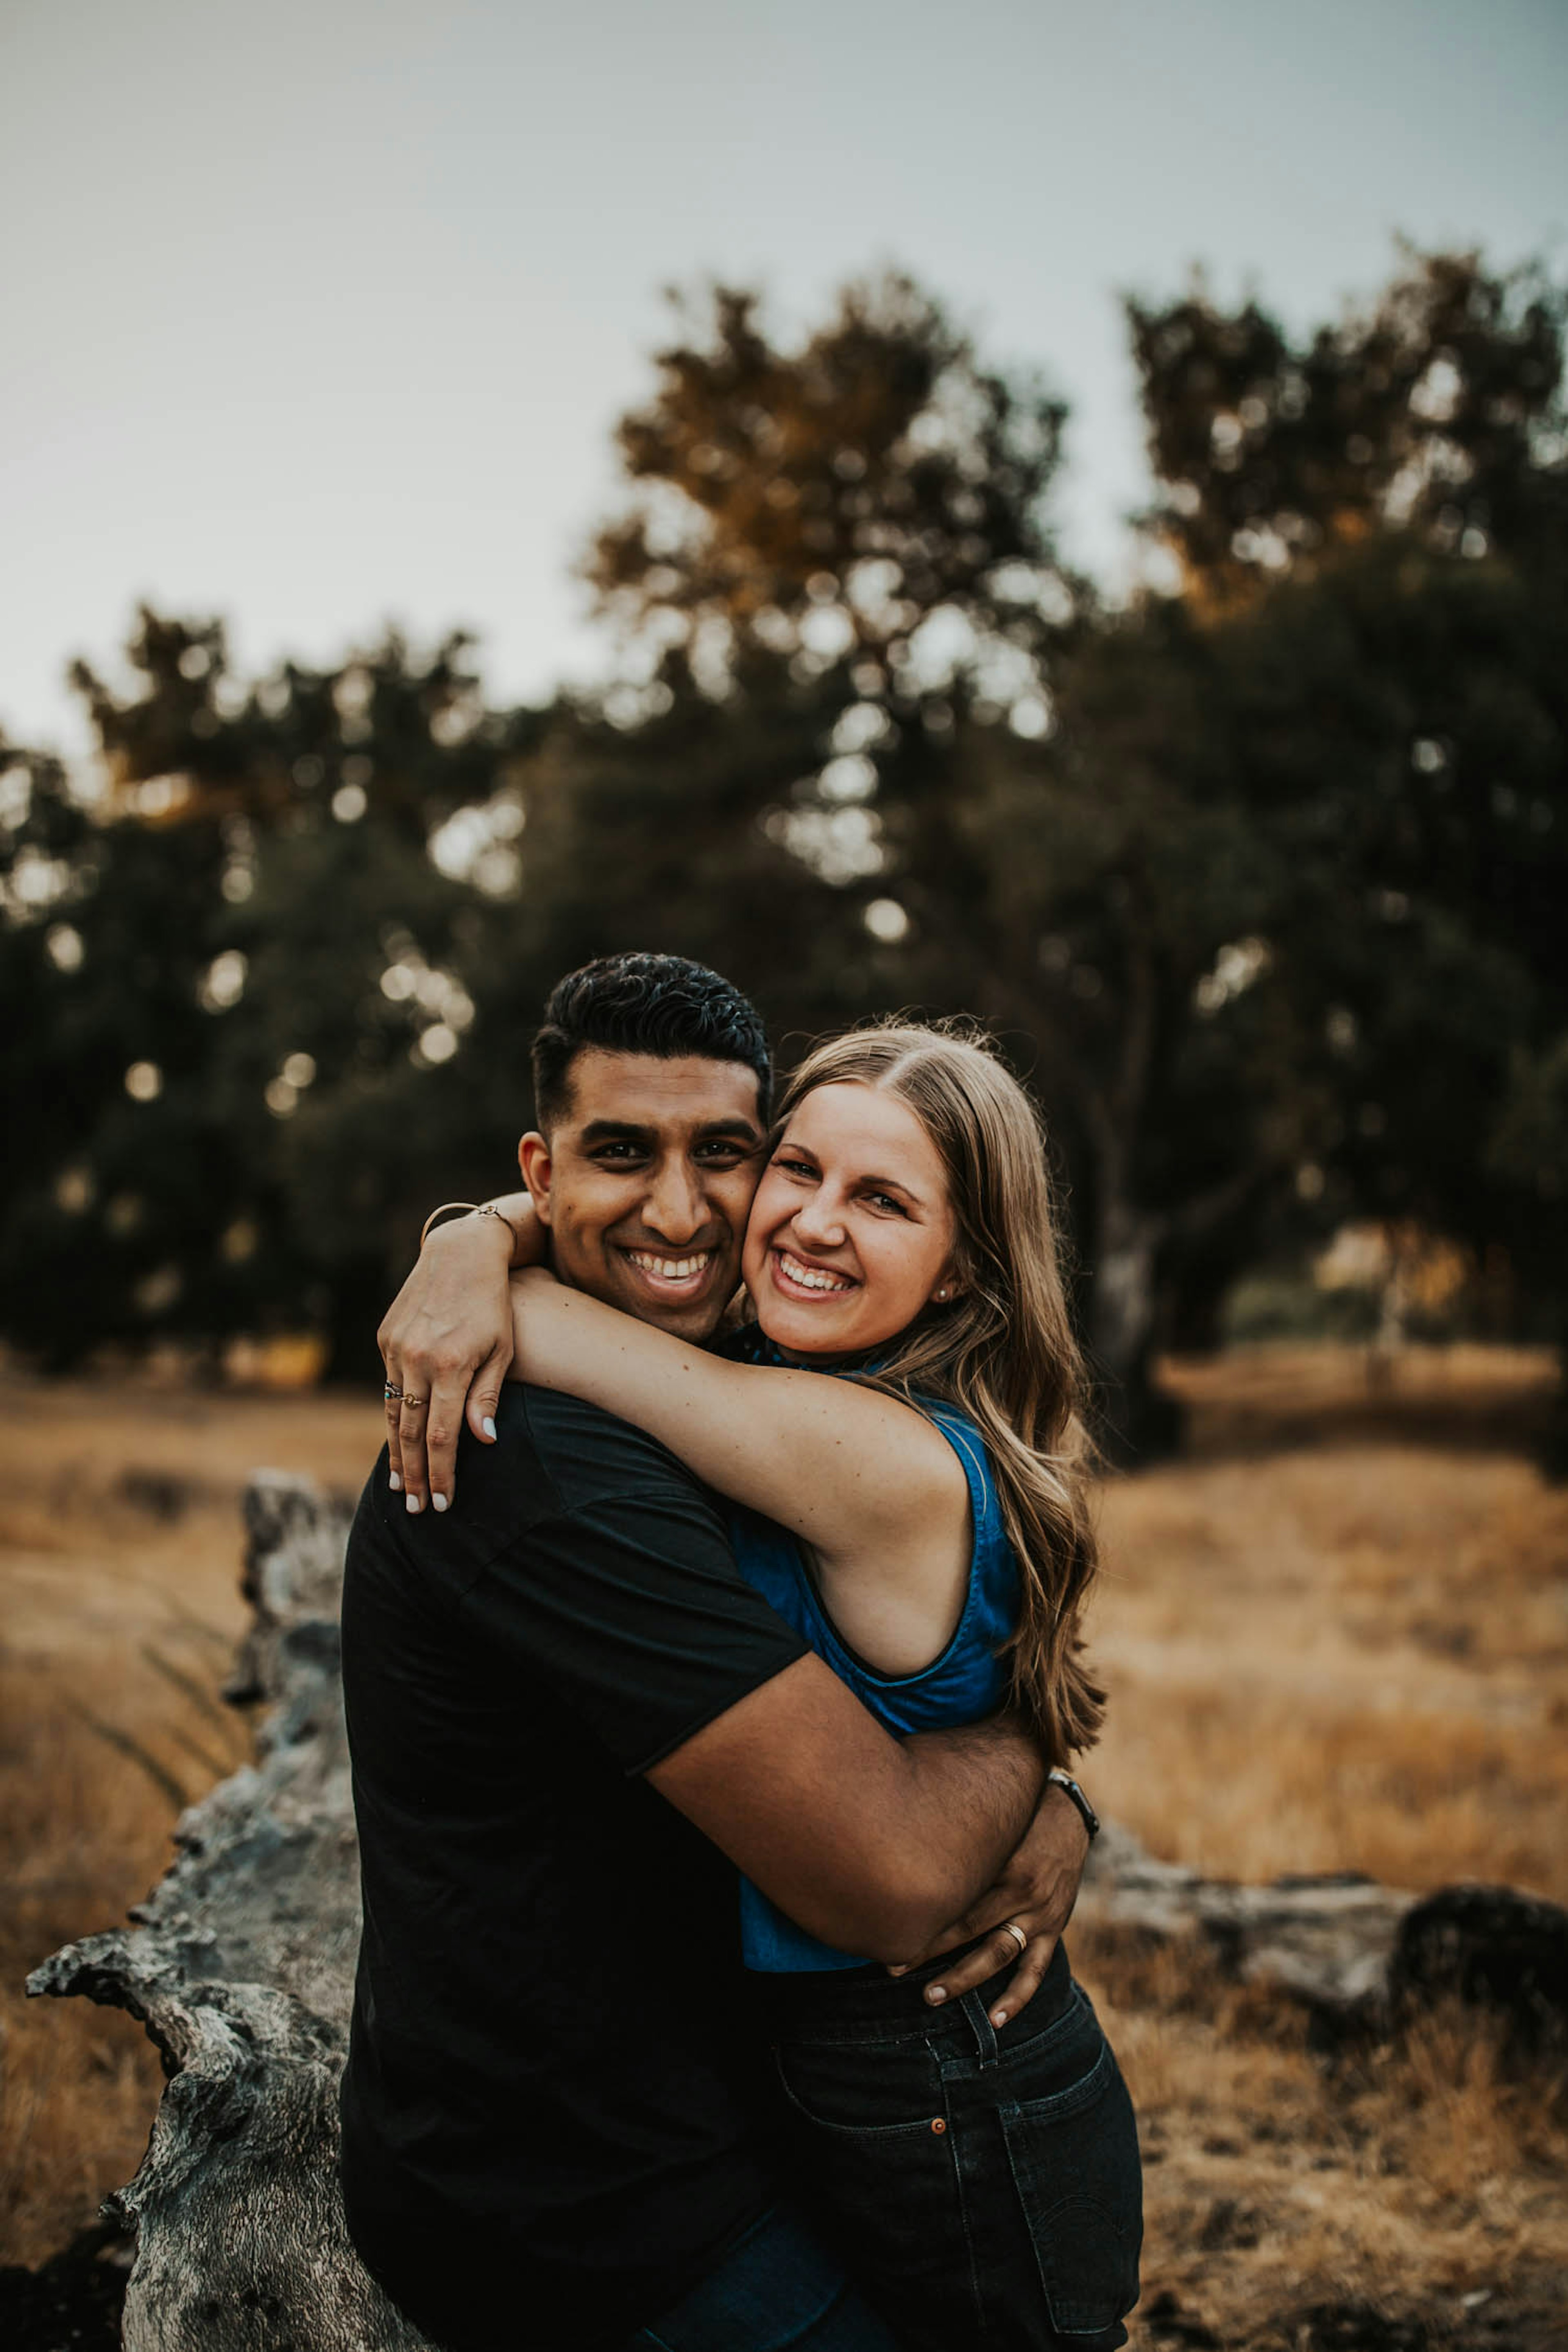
(547, 2132)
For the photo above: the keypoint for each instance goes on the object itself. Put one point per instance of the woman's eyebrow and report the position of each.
(894, 1184)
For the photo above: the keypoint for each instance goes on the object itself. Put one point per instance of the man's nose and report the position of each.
(676, 1207)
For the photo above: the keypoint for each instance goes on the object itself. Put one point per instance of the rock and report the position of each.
(1495, 1950)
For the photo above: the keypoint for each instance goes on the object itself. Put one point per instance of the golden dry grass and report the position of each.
(1336, 1635)
(119, 1608)
(1346, 1651)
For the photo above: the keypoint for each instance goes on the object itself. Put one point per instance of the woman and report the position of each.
(923, 1521)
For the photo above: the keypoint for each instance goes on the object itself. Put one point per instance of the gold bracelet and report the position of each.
(464, 1208)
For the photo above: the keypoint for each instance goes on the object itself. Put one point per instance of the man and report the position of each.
(566, 1708)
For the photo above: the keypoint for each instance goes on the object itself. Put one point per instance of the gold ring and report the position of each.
(1011, 1927)
(414, 1400)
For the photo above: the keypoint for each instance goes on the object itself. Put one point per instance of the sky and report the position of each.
(319, 314)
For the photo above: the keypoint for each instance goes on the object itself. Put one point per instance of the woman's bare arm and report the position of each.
(446, 1338)
(866, 1481)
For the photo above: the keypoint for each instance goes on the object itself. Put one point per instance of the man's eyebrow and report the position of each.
(745, 1130)
(620, 1131)
(628, 1130)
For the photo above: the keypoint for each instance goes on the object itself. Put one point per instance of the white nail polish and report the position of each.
(413, 1502)
(438, 1502)
(487, 1425)
(394, 1482)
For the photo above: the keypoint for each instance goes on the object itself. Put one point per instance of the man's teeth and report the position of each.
(812, 1277)
(671, 1269)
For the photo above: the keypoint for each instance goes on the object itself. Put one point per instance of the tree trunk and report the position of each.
(241, 1969)
(1137, 1422)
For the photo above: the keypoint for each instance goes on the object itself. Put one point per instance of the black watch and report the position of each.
(1070, 1787)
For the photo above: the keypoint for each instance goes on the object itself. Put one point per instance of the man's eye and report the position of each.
(722, 1155)
(618, 1155)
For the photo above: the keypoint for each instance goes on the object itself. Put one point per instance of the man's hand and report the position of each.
(1037, 1889)
(447, 1339)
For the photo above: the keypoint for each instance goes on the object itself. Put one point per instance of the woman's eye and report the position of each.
(886, 1201)
(795, 1167)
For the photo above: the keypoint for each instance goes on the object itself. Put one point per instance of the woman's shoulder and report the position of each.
(965, 1435)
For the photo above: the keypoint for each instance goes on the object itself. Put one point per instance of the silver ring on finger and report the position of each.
(392, 1395)
(1011, 1927)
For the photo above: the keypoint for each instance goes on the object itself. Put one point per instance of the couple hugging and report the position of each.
(704, 1697)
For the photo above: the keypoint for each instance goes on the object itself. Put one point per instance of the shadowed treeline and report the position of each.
(1260, 878)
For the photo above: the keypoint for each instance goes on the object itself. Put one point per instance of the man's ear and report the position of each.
(533, 1160)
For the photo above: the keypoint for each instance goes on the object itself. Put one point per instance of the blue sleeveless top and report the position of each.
(966, 1682)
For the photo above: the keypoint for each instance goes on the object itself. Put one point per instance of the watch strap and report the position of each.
(1075, 1795)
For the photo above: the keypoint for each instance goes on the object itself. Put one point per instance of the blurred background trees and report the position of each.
(1260, 877)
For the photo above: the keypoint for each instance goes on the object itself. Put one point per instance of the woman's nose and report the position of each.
(819, 1221)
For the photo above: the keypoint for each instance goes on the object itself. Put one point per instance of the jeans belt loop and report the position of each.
(980, 2025)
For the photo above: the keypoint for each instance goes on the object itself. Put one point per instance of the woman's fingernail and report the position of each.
(394, 1482)
(998, 2017)
(897, 1967)
(936, 1995)
(413, 1502)
(438, 1502)
(487, 1425)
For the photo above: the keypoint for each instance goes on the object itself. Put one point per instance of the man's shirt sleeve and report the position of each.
(626, 1597)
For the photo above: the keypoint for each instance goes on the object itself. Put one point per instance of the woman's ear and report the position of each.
(533, 1160)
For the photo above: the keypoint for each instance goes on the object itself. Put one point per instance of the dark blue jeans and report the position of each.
(986, 2185)
(779, 2290)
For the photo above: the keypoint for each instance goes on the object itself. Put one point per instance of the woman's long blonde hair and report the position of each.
(1004, 1349)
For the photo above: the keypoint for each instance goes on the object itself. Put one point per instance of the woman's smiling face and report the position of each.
(852, 1232)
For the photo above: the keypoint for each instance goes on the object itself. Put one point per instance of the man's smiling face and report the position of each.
(646, 1183)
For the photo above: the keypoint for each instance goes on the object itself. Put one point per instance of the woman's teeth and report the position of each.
(812, 1277)
(671, 1269)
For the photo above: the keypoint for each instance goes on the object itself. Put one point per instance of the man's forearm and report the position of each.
(973, 1794)
(873, 1843)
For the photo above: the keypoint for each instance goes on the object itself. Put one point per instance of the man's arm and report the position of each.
(617, 1585)
(872, 1843)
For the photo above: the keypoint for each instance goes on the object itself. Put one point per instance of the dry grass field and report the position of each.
(1336, 1636)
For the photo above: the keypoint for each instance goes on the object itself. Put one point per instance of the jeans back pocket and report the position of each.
(1075, 2165)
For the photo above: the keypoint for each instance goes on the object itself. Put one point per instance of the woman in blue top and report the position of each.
(923, 1521)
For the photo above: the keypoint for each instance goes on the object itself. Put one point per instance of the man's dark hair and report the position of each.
(641, 1004)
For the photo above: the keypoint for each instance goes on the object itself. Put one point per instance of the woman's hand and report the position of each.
(446, 1344)
(1035, 1896)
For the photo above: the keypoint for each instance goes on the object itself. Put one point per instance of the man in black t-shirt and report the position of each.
(566, 1708)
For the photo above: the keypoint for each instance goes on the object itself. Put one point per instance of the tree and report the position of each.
(1375, 529)
(251, 983)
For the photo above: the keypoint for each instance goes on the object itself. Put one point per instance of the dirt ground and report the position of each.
(1335, 1636)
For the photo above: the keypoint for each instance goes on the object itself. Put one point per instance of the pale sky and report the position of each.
(321, 315)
